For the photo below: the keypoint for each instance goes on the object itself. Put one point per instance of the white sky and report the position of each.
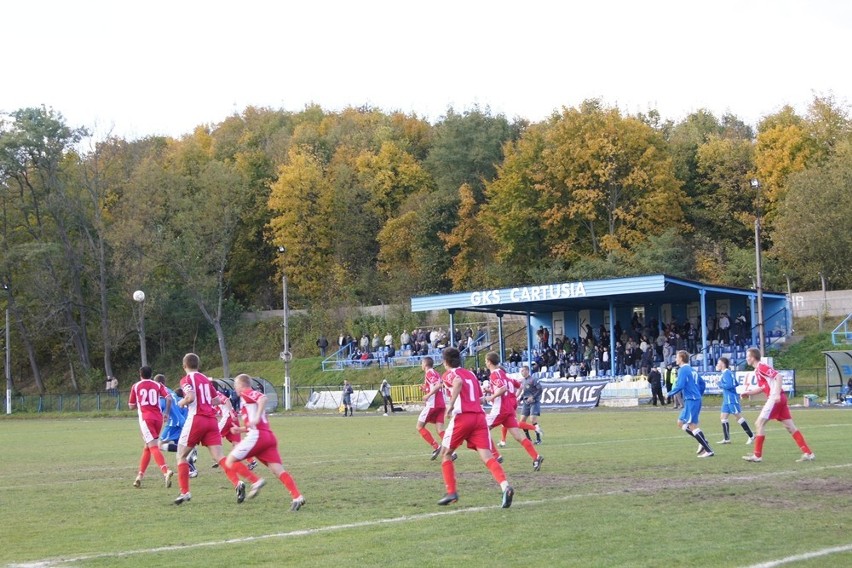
(163, 67)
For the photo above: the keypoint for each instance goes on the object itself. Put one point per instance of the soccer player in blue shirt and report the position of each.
(730, 402)
(692, 386)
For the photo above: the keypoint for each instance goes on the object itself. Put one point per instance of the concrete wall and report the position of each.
(837, 303)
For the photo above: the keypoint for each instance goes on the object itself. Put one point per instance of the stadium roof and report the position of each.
(581, 295)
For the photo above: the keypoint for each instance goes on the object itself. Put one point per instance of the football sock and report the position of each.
(290, 484)
(427, 435)
(240, 469)
(537, 435)
(526, 430)
(726, 430)
(527, 444)
(496, 470)
(503, 432)
(744, 424)
(183, 477)
(145, 459)
(686, 429)
(159, 459)
(758, 445)
(801, 441)
(702, 439)
(449, 473)
(230, 472)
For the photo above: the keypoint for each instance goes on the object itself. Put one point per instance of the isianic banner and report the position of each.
(565, 394)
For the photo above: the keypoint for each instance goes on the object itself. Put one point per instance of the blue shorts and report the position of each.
(171, 434)
(732, 408)
(691, 410)
(531, 409)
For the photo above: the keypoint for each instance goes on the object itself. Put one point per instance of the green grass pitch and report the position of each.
(619, 487)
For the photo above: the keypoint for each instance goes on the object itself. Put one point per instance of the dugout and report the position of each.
(258, 384)
(565, 308)
(838, 371)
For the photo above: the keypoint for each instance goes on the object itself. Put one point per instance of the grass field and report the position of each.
(619, 487)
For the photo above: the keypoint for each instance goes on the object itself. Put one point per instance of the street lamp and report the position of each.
(761, 332)
(285, 353)
(139, 297)
(8, 366)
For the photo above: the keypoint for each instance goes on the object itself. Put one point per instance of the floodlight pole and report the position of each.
(8, 358)
(761, 330)
(285, 353)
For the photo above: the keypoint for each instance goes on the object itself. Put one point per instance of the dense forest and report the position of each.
(374, 207)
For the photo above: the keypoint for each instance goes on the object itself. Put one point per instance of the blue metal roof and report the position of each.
(579, 295)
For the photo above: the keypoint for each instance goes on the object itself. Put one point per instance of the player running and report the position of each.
(504, 405)
(259, 441)
(145, 397)
(730, 402)
(776, 408)
(692, 386)
(435, 406)
(202, 428)
(467, 424)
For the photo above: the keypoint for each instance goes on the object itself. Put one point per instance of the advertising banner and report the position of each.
(564, 394)
(711, 379)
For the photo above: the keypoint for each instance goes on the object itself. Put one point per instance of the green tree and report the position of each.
(812, 233)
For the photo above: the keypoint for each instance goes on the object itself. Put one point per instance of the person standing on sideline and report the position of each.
(434, 405)
(676, 399)
(531, 402)
(776, 408)
(467, 424)
(347, 398)
(201, 427)
(145, 397)
(504, 406)
(259, 441)
(386, 395)
(730, 402)
(655, 379)
(691, 385)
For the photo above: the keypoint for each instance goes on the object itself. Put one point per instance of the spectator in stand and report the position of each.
(388, 339)
(514, 357)
(405, 340)
(620, 355)
(724, 328)
(376, 342)
(668, 352)
(112, 385)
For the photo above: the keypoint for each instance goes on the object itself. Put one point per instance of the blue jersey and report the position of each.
(173, 423)
(728, 384)
(688, 382)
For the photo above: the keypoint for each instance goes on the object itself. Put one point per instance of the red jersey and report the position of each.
(205, 394)
(250, 408)
(470, 395)
(145, 395)
(431, 379)
(506, 402)
(764, 374)
(225, 413)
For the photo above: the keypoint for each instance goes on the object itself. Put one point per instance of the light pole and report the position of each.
(761, 332)
(139, 297)
(824, 308)
(285, 353)
(8, 366)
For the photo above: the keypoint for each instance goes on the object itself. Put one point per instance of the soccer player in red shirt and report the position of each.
(504, 405)
(776, 408)
(467, 424)
(145, 397)
(434, 405)
(227, 417)
(201, 427)
(260, 441)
